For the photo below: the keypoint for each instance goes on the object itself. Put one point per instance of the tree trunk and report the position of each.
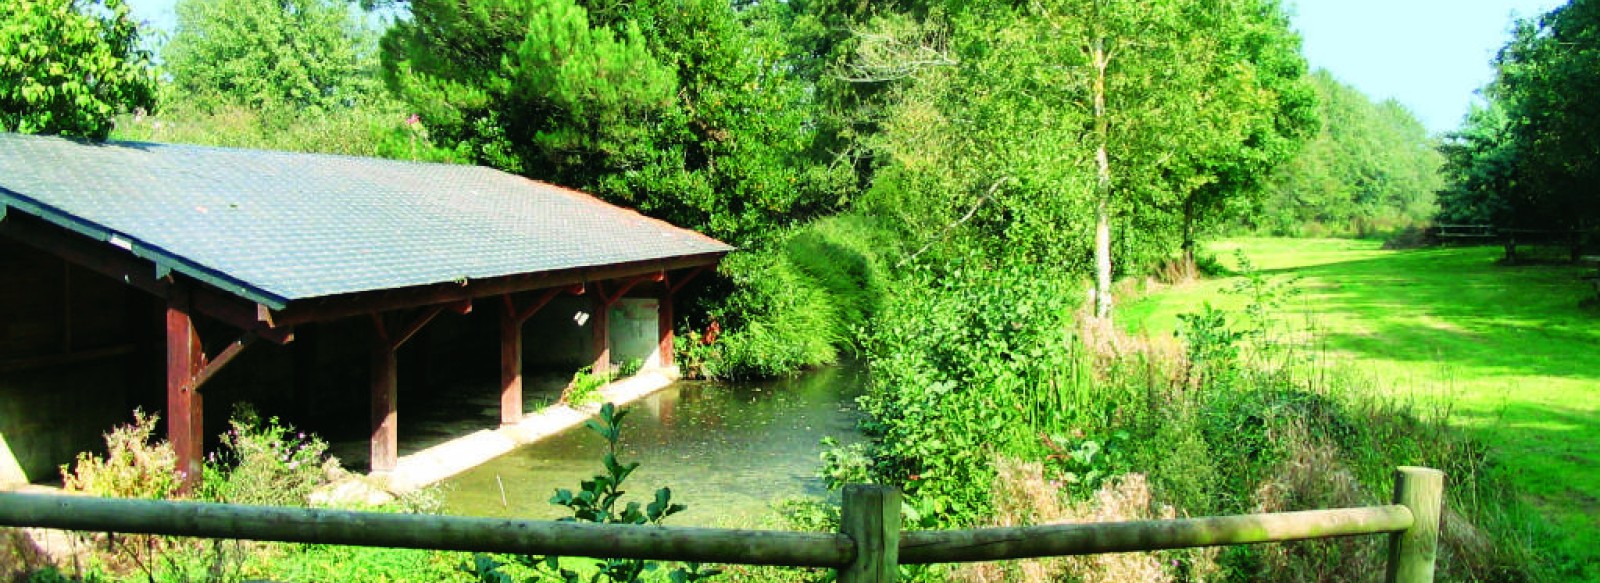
(1102, 209)
(1189, 269)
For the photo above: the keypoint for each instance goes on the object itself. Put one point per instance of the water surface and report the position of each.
(726, 450)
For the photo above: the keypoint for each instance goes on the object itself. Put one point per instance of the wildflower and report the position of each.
(413, 120)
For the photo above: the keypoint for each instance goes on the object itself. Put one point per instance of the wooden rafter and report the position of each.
(209, 367)
(685, 279)
(346, 305)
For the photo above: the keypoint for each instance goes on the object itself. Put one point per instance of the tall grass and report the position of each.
(978, 369)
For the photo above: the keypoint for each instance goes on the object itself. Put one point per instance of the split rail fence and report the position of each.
(868, 548)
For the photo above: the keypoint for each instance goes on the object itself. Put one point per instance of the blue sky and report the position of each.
(1431, 55)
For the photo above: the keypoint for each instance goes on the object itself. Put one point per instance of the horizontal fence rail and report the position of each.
(868, 548)
(1052, 540)
(424, 531)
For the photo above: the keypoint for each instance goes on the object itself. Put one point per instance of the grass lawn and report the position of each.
(1508, 347)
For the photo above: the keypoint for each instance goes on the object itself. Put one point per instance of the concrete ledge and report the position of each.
(440, 462)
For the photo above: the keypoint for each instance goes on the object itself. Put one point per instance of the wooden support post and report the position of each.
(871, 518)
(600, 327)
(664, 325)
(1412, 552)
(385, 419)
(185, 410)
(510, 365)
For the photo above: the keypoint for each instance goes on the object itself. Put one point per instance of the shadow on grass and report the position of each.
(1457, 306)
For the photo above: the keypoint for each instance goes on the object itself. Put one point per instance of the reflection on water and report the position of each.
(726, 450)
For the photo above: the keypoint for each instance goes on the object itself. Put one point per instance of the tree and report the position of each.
(1548, 74)
(1271, 115)
(68, 66)
(1189, 100)
(293, 55)
(1480, 162)
(672, 107)
(1014, 123)
(1370, 164)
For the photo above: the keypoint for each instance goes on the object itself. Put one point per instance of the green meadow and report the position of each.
(1510, 351)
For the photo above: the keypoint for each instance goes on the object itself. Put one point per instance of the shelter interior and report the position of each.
(80, 350)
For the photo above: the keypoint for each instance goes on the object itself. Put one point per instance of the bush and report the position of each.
(265, 463)
(968, 363)
(135, 465)
(382, 131)
(796, 302)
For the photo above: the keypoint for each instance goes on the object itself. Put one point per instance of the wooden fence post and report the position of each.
(871, 518)
(1412, 552)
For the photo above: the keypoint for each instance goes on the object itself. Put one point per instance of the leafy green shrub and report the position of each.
(585, 386)
(797, 300)
(968, 363)
(135, 465)
(264, 462)
(381, 130)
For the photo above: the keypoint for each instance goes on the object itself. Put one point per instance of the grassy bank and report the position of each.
(1506, 348)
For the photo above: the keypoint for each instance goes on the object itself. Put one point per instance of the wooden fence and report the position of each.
(868, 548)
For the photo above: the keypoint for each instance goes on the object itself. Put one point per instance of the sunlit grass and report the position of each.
(1507, 348)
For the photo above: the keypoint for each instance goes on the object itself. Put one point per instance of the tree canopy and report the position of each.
(290, 54)
(673, 107)
(1529, 159)
(1372, 165)
(68, 66)
(1021, 124)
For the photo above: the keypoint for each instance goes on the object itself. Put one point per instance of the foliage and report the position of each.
(596, 502)
(585, 386)
(649, 104)
(1031, 129)
(302, 56)
(966, 364)
(135, 464)
(1528, 159)
(1372, 167)
(68, 66)
(796, 300)
(377, 130)
(264, 462)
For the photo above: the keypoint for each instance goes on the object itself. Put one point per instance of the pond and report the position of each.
(727, 450)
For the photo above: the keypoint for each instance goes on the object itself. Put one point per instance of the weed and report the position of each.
(595, 501)
(585, 386)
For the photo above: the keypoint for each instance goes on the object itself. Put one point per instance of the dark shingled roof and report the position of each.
(275, 227)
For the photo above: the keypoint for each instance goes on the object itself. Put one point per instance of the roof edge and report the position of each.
(332, 307)
(163, 259)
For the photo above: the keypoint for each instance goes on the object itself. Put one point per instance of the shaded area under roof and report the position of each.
(276, 227)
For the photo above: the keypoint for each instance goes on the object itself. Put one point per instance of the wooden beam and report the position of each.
(385, 419)
(347, 305)
(686, 278)
(185, 410)
(629, 284)
(600, 328)
(522, 314)
(510, 364)
(413, 327)
(664, 339)
(211, 367)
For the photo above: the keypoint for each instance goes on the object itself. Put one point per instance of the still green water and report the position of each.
(727, 450)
